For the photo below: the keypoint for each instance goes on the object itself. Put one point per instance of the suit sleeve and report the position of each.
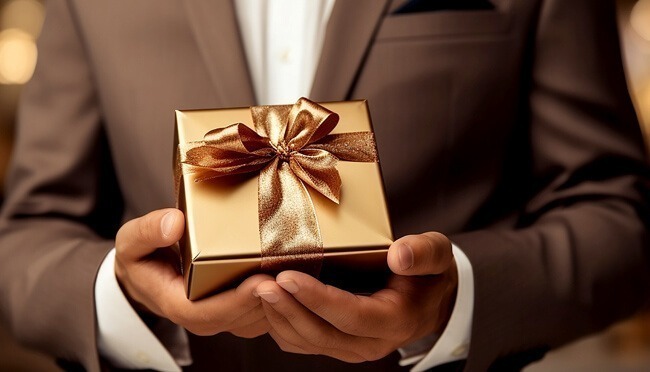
(56, 213)
(576, 259)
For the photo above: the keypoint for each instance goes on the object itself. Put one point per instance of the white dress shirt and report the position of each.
(282, 40)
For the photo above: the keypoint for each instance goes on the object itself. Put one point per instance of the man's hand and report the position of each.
(309, 317)
(148, 272)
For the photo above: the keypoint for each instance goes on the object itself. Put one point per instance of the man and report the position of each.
(504, 125)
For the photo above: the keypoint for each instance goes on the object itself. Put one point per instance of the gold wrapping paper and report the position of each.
(221, 245)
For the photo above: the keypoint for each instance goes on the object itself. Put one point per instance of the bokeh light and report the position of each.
(17, 56)
(20, 22)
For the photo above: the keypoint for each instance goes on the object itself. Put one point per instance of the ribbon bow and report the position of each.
(291, 146)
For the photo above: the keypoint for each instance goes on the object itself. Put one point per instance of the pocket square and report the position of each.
(419, 6)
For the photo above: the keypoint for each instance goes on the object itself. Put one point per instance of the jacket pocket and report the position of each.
(444, 23)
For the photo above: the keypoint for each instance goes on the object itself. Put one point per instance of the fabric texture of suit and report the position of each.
(510, 130)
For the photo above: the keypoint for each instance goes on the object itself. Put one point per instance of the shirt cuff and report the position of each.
(124, 339)
(453, 343)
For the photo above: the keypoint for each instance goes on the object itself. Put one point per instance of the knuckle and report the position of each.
(321, 339)
(401, 302)
(290, 316)
(406, 331)
(275, 318)
(352, 320)
(318, 304)
(349, 323)
(405, 324)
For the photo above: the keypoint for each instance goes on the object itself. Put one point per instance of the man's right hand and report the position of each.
(148, 271)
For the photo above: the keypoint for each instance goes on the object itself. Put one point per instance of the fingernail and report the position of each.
(289, 286)
(405, 254)
(255, 294)
(167, 223)
(270, 297)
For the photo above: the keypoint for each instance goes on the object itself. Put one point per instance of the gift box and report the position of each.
(271, 188)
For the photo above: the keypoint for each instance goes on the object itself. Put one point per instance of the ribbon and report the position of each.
(292, 148)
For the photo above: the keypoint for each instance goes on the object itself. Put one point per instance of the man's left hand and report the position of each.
(309, 317)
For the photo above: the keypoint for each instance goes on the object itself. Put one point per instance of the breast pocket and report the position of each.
(435, 83)
(444, 23)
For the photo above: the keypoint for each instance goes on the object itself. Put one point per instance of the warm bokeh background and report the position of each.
(624, 347)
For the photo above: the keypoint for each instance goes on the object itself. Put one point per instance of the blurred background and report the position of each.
(623, 347)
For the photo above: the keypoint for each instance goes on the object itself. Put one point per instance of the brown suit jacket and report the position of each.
(510, 130)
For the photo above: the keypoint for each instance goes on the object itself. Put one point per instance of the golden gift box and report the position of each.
(223, 239)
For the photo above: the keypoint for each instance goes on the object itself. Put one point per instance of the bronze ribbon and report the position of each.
(291, 147)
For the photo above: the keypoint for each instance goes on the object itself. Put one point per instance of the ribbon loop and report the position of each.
(292, 148)
(309, 122)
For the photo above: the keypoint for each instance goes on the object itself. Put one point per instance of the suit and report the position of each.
(508, 129)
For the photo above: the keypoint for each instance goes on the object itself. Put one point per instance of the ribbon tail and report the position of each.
(289, 234)
(351, 146)
(317, 168)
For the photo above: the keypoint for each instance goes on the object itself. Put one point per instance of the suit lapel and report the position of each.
(351, 28)
(216, 31)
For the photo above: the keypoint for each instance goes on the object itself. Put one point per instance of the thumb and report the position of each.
(142, 236)
(422, 254)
